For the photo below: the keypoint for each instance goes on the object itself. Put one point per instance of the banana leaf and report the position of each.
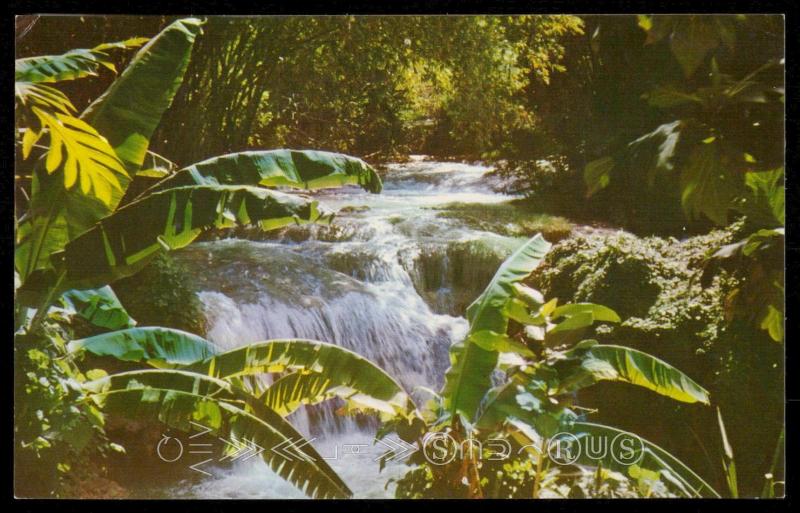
(100, 307)
(676, 475)
(124, 242)
(589, 363)
(179, 398)
(333, 371)
(156, 346)
(70, 65)
(126, 115)
(469, 376)
(302, 169)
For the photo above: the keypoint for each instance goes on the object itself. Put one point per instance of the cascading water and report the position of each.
(381, 282)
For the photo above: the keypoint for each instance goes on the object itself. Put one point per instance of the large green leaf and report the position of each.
(341, 373)
(469, 376)
(597, 312)
(529, 396)
(676, 475)
(691, 38)
(321, 371)
(178, 398)
(122, 243)
(523, 399)
(765, 205)
(153, 345)
(653, 153)
(299, 388)
(304, 169)
(589, 363)
(597, 174)
(706, 186)
(580, 315)
(126, 115)
(656, 152)
(100, 307)
(71, 65)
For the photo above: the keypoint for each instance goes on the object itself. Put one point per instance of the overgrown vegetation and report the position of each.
(536, 345)
(72, 242)
(151, 295)
(670, 127)
(509, 219)
(684, 311)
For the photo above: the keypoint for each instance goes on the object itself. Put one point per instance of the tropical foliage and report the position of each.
(663, 125)
(536, 346)
(716, 147)
(192, 380)
(72, 243)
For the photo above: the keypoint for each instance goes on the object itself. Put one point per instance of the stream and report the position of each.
(390, 279)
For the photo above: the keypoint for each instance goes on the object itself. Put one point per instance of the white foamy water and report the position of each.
(359, 291)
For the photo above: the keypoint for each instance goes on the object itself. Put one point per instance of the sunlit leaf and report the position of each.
(46, 97)
(340, 373)
(707, 187)
(304, 169)
(765, 205)
(71, 65)
(100, 307)
(178, 398)
(152, 345)
(772, 323)
(126, 114)
(122, 243)
(603, 362)
(471, 367)
(596, 174)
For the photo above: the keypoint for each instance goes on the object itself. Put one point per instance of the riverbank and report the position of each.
(391, 280)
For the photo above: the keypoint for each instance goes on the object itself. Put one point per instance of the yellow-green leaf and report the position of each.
(28, 140)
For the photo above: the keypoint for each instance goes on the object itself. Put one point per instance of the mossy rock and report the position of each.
(450, 276)
(654, 285)
(510, 219)
(163, 294)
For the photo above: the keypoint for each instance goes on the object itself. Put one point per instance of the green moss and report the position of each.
(655, 286)
(163, 294)
(652, 283)
(450, 276)
(510, 219)
(354, 209)
(396, 219)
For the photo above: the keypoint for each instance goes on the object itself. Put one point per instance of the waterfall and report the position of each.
(390, 281)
